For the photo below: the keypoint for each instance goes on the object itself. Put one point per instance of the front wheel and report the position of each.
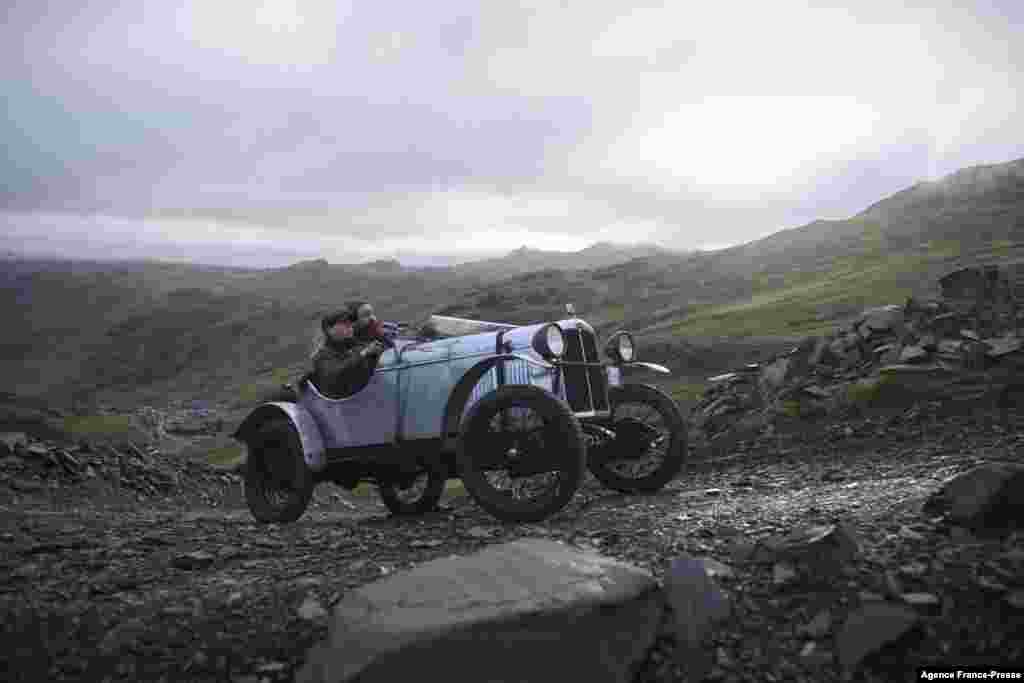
(521, 454)
(649, 447)
(422, 494)
(278, 484)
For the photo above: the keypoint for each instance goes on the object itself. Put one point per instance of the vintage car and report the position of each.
(516, 412)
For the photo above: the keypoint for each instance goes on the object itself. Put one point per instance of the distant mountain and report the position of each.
(78, 326)
(824, 270)
(527, 260)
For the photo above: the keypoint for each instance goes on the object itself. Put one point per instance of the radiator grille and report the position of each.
(585, 386)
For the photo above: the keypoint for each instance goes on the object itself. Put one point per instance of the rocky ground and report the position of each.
(103, 579)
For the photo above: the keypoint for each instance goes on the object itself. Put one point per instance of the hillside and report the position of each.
(151, 328)
(525, 260)
(157, 328)
(797, 281)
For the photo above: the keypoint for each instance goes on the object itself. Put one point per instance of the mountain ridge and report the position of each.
(85, 327)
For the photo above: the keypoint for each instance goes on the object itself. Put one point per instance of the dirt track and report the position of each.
(106, 590)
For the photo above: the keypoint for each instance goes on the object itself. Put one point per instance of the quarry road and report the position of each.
(118, 590)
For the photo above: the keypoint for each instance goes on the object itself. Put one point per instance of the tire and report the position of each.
(559, 441)
(675, 452)
(391, 494)
(278, 484)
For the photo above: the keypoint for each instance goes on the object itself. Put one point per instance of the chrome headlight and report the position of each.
(627, 351)
(620, 348)
(549, 341)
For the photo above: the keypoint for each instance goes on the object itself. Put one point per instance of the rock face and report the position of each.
(972, 332)
(697, 604)
(989, 495)
(819, 551)
(10, 441)
(531, 610)
(37, 465)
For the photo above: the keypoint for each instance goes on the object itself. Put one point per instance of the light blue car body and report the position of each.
(424, 389)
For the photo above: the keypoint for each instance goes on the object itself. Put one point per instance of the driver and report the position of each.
(352, 347)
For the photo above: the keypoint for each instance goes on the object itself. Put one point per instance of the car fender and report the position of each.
(654, 367)
(306, 427)
(464, 387)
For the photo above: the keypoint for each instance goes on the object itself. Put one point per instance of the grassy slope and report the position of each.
(801, 306)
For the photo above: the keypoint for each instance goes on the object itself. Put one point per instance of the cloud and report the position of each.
(378, 124)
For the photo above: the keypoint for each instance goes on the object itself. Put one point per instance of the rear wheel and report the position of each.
(278, 484)
(417, 496)
(521, 454)
(649, 447)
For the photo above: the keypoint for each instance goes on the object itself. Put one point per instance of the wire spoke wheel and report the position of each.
(417, 496)
(520, 432)
(278, 485)
(653, 436)
(649, 445)
(521, 453)
(415, 491)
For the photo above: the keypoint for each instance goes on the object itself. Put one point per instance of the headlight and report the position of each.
(626, 349)
(556, 341)
(549, 341)
(620, 348)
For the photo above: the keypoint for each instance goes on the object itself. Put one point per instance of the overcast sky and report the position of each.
(259, 133)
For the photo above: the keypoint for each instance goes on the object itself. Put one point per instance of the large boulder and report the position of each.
(989, 495)
(884, 319)
(12, 441)
(530, 610)
(819, 551)
(773, 375)
(697, 606)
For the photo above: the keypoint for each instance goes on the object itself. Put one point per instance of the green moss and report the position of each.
(230, 454)
(1002, 247)
(796, 308)
(687, 391)
(98, 426)
(943, 248)
(453, 488)
(255, 390)
(791, 408)
(873, 391)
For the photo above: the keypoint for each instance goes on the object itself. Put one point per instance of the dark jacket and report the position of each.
(341, 370)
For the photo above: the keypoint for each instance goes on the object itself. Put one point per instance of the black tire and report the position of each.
(392, 494)
(674, 454)
(560, 440)
(278, 484)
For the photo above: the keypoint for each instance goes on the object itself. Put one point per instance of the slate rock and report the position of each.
(11, 461)
(697, 605)
(920, 599)
(988, 495)
(506, 613)
(774, 374)
(9, 441)
(26, 485)
(818, 626)
(999, 347)
(715, 568)
(869, 629)
(194, 560)
(311, 609)
(911, 354)
(39, 450)
(884, 318)
(818, 549)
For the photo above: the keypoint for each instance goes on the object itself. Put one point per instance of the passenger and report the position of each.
(351, 347)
